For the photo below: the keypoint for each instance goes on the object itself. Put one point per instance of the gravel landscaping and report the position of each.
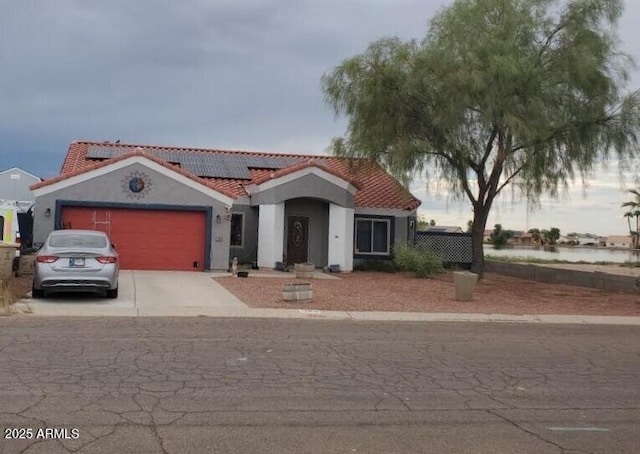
(400, 292)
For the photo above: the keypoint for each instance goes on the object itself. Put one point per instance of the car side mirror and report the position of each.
(113, 245)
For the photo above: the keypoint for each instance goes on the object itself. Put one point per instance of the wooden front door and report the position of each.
(297, 239)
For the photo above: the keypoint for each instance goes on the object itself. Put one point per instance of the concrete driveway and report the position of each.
(147, 293)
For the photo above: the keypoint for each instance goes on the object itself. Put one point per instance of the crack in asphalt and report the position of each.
(155, 373)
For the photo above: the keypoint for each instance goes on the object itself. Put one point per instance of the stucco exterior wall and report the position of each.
(318, 214)
(113, 187)
(249, 250)
(311, 186)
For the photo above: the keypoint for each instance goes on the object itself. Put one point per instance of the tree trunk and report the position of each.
(480, 215)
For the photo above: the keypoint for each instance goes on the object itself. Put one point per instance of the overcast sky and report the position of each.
(223, 74)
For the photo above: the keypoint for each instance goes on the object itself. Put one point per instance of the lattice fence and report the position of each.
(452, 248)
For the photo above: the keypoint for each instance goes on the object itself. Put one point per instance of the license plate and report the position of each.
(76, 262)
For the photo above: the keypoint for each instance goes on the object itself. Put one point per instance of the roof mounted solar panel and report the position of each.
(217, 170)
(98, 152)
(202, 164)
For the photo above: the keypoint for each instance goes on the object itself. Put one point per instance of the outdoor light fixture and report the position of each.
(218, 219)
(47, 212)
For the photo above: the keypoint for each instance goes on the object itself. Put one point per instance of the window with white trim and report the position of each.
(373, 236)
(237, 228)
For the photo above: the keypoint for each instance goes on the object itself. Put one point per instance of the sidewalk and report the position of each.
(178, 294)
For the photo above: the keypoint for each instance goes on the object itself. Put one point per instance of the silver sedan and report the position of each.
(76, 260)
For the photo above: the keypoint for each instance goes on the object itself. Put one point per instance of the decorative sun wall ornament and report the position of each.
(136, 185)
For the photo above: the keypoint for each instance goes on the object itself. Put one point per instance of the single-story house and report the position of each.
(174, 208)
(622, 241)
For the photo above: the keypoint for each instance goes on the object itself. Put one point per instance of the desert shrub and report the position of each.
(385, 266)
(421, 262)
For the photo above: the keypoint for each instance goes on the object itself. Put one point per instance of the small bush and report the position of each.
(385, 266)
(421, 262)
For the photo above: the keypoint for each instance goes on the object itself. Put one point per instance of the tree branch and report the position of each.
(460, 168)
(564, 22)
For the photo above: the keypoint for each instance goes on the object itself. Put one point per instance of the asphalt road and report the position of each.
(206, 385)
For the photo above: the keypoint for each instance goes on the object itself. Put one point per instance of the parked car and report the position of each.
(76, 260)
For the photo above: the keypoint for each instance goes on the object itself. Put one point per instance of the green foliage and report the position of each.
(551, 236)
(385, 266)
(527, 93)
(634, 212)
(500, 237)
(420, 261)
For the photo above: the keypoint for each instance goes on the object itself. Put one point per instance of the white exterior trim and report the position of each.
(341, 237)
(275, 182)
(270, 235)
(105, 170)
(384, 212)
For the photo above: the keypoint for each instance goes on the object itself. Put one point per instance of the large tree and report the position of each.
(520, 93)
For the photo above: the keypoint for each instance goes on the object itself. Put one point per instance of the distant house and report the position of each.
(443, 229)
(521, 238)
(622, 241)
(14, 186)
(486, 237)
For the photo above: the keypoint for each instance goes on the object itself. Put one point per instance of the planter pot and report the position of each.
(464, 283)
(297, 293)
(26, 265)
(304, 270)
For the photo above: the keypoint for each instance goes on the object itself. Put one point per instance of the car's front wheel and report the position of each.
(112, 293)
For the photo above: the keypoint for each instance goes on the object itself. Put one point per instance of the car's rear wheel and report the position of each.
(112, 293)
(36, 293)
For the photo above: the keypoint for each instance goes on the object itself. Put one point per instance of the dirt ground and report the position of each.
(13, 290)
(376, 291)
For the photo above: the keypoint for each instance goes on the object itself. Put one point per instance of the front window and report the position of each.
(236, 229)
(373, 236)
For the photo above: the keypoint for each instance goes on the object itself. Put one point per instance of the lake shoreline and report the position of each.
(562, 254)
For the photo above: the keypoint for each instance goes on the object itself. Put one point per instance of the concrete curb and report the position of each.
(21, 309)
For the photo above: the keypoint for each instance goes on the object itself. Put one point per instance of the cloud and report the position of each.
(215, 73)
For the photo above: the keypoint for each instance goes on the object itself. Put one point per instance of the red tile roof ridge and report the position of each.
(212, 150)
(122, 157)
(300, 166)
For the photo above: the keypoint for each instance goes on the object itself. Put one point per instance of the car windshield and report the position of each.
(78, 240)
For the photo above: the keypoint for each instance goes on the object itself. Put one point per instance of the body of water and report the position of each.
(571, 254)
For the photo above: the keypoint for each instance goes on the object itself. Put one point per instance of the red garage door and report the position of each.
(147, 239)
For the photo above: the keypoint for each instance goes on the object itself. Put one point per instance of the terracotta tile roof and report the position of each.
(376, 188)
(105, 162)
(303, 165)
